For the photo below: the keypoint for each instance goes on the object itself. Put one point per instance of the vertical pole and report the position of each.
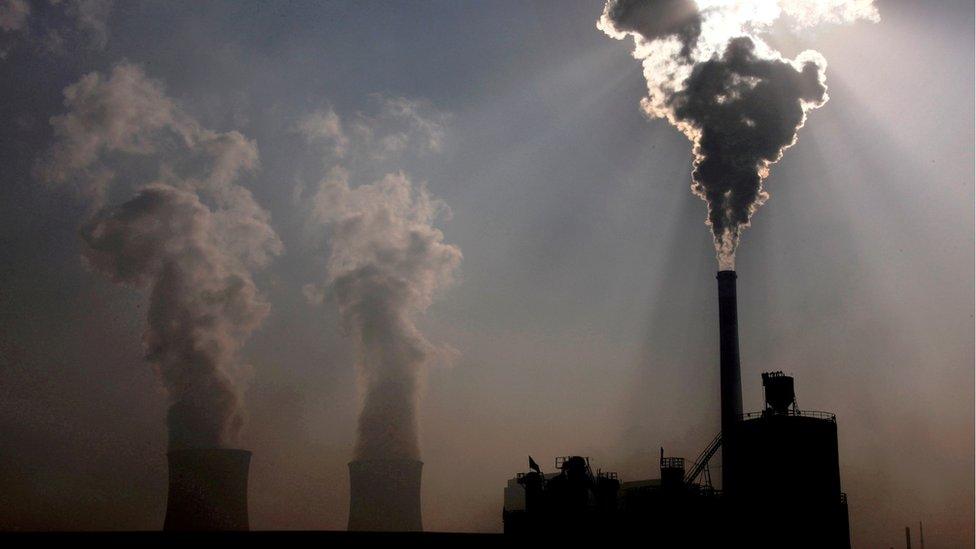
(908, 538)
(730, 378)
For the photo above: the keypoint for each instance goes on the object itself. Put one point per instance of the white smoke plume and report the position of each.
(386, 263)
(740, 102)
(191, 238)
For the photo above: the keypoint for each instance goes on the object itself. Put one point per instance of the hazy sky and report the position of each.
(583, 317)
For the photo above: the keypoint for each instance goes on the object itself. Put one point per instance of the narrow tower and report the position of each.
(730, 378)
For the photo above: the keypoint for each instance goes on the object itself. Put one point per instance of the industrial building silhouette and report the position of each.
(780, 477)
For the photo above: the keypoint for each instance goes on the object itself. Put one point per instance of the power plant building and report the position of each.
(779, 468)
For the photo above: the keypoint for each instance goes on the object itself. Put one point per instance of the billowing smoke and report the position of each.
(386, 263)
(190, 238)
(741, 103)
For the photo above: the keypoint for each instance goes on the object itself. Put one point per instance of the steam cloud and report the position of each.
(191, 238)
(739, 101)
(387, 262)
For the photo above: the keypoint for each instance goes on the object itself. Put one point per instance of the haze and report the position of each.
(583, 317)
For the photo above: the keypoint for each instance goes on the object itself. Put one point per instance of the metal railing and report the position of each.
(701, 463)
(672, 463)
(561, 460)
(800, 413)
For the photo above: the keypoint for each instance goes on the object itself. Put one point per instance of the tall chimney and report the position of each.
(207, 490)
(384, 495)
(730, 378)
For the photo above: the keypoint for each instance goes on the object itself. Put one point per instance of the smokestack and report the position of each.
(731, 384)
(207, 490)
(384, 495)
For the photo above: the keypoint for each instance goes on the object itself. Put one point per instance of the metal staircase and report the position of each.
(701, 463)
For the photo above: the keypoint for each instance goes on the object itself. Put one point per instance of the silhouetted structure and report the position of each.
(573, 500)
(207, 490)
(789, 469)
(780, 477)
(729, 375)
(788, 474)
(384, 495)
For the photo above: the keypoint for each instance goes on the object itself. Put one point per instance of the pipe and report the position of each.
(730, 377)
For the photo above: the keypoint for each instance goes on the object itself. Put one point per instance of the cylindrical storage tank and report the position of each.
(790, 457)
(207, 490)
(790, 479)
(384, 495)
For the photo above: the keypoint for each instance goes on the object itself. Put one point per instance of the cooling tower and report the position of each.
(730, 379)
(384, 495)
(207, 490)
